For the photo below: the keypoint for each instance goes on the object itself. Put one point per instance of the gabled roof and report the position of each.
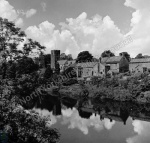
(71, 62)
(141, 60)
(62, 62)
(111, 60)
(87, 64)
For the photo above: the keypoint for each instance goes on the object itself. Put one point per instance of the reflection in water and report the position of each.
(98, 115)
(74, 120)
(142, 129)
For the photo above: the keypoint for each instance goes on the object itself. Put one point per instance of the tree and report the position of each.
(48, 73)
(107, 53)
(68, 57)
(63, 56)
(11, 70)
(25, 65)
(29, 46)
(139, 56)
(84, 56)
(126, 55)
(10, 38)
(47, 59)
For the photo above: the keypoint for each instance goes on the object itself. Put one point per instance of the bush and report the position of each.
(70, 82)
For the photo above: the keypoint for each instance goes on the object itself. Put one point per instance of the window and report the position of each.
(144, 69)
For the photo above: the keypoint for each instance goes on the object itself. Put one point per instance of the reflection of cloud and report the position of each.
(143, 132)
(72, 118)
(46, 114)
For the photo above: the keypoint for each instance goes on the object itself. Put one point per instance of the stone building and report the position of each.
(88, 69)
(139, 65)
(55, 56)
(115, 64)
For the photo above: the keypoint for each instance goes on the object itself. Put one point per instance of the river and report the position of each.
(90, 121)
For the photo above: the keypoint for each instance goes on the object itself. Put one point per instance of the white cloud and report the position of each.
(73, 120)
(19, 22)
(94, 35)
(140, 24)
(31, 12)
(97, 34)
(143, 132)
(8, 11)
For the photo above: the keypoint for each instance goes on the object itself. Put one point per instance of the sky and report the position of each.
(78, 25)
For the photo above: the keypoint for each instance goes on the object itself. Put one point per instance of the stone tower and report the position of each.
(55, 56)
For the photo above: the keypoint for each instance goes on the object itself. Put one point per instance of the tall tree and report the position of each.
(84, 56)
(107, 53)
(10, 38)
(126, 55)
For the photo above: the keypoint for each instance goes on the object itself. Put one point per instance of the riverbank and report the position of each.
(134, 89)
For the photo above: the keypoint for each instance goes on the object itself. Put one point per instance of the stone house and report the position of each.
(72, 62)
(139, 65)
(88, 69)
(115, 64)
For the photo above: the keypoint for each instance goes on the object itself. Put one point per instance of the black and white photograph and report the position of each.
(74, 71)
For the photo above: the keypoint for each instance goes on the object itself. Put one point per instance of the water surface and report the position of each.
(90, 121)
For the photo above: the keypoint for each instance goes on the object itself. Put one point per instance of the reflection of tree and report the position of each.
(84, 114)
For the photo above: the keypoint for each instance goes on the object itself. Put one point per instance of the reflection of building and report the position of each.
(141, 116)
(55, 56)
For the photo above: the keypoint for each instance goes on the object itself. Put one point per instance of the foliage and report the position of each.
(69, 72)
(48, 73)
(23, 126)
(10, 38)
(84, 56)
(107, 53)
(25, 65)
(70, 82)
(11, 70)
(126, 55)
(139, 56)
(47, 59)
(68, 57)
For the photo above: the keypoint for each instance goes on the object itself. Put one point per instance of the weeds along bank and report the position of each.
(135, 89)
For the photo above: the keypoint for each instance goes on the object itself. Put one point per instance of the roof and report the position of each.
(71, 62)
(62, 62)
(109, 60)
(141, 60)
(87, 64)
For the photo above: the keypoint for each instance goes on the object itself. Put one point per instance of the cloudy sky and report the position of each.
(76, 25)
